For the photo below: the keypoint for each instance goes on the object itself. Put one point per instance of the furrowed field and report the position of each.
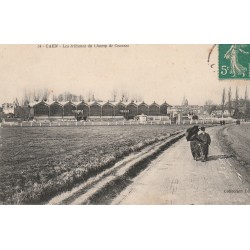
(38, 163)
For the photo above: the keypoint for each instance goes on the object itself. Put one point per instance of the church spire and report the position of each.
(184, 101)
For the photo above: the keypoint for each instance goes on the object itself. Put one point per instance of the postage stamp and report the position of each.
(234, 61)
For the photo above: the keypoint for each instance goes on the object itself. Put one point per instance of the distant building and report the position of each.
(8, 108)
(184, 102)
(187, 111)
(219, 113)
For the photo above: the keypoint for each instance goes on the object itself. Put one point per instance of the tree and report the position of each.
(90, 96)
(80, 98)
(236, 114)
(124, 96)
(246, 98)
(26, 98)
(246, 105)
(74, 98)
(139, 98)
(54, 98)
(236, 104)
(136, 98)
(114, 95)
(45, 95)
(16, 102)
(211, 109)
(209, 106)
(60, 98)
(209, 103)
(230, 101)
(36, 95)
(223, 100)
(69, 97)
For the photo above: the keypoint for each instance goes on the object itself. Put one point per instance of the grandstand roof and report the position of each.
(100, 103)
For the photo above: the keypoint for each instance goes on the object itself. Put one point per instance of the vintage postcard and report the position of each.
(124, 124)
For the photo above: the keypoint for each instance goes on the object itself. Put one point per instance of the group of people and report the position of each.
(222, 122)
(199, 143)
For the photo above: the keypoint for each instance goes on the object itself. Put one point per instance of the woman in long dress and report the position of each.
(192, 136)
(232, 55)
(195, 146)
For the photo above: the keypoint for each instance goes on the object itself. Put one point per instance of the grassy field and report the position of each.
(239, 138)
(38, 163)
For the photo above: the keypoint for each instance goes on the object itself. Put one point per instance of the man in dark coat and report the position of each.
(205, 142)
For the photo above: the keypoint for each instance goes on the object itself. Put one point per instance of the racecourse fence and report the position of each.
(106, 123)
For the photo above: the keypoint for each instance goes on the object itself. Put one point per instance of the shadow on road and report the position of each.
(217, 157)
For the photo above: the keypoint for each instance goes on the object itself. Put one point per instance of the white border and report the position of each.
(128, 22)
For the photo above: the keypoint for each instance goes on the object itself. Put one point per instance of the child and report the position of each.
(205, 142)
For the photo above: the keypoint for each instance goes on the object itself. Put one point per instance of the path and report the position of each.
(175, 178)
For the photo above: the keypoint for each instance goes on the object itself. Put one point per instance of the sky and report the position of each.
(154, 72)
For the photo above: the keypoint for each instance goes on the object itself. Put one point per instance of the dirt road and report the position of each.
(175, 178)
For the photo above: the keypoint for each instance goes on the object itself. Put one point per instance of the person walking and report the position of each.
(192, 136)
(205, 142)
(195, 147)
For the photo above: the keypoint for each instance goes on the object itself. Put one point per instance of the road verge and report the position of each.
(106, 186)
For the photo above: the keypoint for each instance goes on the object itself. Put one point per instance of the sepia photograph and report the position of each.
(124, 124)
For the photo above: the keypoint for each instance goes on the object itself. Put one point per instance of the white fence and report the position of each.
(109, 123)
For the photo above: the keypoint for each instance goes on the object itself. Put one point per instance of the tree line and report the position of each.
(237, 107)
(48, 95)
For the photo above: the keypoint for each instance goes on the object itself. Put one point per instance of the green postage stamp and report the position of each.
(234, 61)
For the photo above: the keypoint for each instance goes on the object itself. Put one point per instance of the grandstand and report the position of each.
(94, 110)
